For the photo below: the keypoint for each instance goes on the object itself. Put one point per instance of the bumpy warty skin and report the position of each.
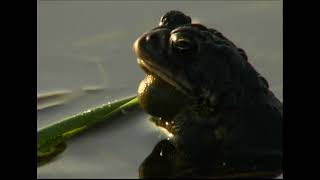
(234, 114)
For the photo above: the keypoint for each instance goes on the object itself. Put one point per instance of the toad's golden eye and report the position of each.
(183, 44)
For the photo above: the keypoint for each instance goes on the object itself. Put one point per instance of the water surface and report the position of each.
(85, 47)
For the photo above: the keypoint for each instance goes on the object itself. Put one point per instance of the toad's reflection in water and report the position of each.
(225, 121)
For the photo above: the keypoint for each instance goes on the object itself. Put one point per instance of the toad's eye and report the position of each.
(183, 44)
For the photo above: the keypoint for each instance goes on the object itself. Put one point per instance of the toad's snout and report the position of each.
(153, 43)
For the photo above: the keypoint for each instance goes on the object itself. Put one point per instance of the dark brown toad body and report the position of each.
(231, 123)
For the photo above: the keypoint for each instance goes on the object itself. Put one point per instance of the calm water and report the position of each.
(88, 44)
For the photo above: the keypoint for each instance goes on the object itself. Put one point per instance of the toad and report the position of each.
(200, 86)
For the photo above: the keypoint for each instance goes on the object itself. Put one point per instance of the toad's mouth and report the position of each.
(150, 68)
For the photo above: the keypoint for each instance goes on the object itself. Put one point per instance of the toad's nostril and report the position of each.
(152, 38)
(153, 41)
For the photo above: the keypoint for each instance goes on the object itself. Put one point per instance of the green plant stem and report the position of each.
(54, 134)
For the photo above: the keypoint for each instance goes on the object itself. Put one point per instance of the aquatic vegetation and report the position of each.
(51, 139)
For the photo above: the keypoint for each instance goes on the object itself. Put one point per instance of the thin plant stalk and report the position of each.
(51, 139)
